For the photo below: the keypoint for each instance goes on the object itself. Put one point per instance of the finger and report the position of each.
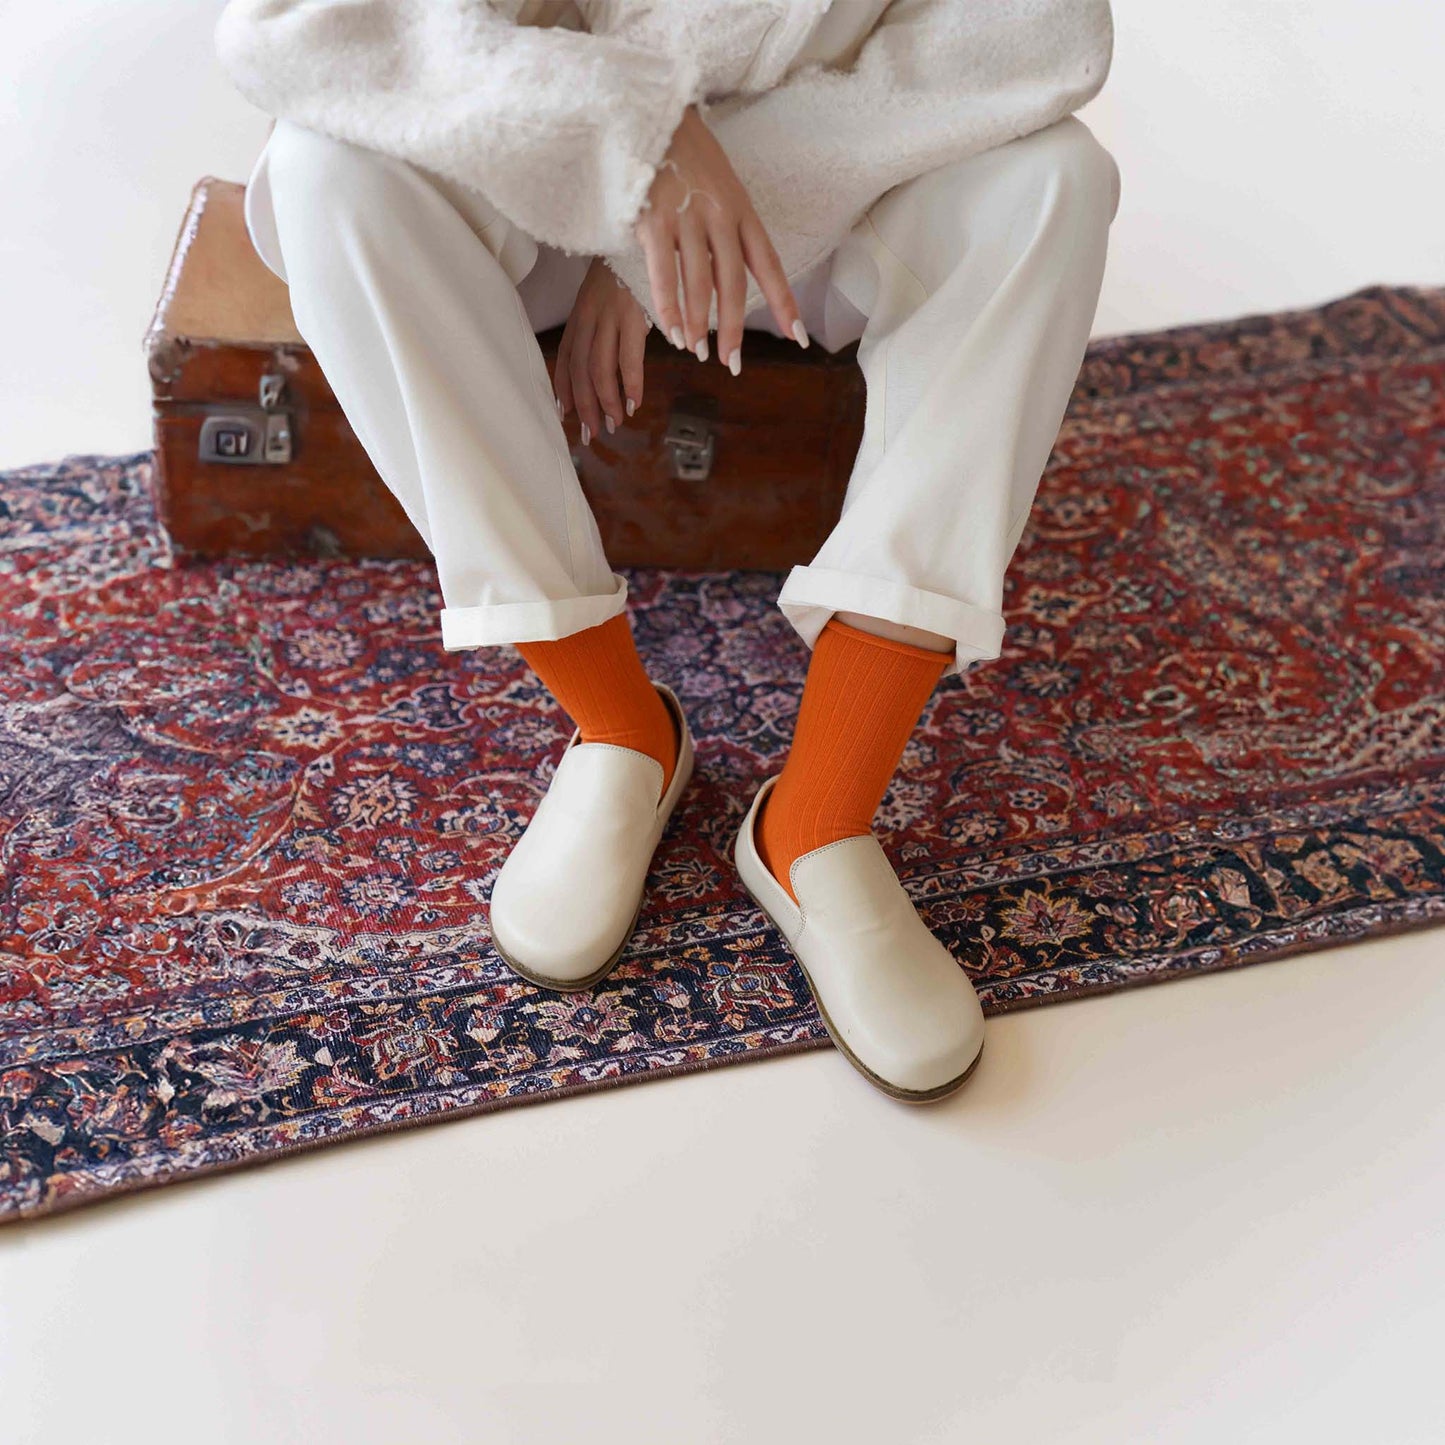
(602, 368)
(632, 349)
(696, 253)
(763, 262)
(731, 275)
(659, 246)
(561, 381)
(584, 397)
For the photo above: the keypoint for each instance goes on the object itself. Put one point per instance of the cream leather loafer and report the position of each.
(567, 898)
(893, 998)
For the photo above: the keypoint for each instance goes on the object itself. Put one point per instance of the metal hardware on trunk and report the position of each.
(251, 436)
(273, 388)
(246, 436)
(691, 437)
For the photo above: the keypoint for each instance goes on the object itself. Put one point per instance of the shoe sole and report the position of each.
(907, 1096)
(581, 985)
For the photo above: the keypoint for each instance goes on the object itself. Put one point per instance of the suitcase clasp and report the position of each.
(272, 389)
(251, 436)
(691, 437)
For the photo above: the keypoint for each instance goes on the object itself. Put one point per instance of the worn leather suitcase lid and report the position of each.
(217, 290)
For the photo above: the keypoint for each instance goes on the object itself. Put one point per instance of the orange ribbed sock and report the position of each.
(861, 701)
(601, 684)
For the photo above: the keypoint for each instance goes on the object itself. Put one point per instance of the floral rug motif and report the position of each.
(250, 813)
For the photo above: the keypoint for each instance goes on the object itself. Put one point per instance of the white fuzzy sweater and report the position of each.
(559, 111)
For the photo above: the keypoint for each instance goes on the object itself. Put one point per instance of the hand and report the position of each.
(698, 209)
(605, 332)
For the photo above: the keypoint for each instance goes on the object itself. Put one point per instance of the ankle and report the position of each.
(782, 838)
(599, 680)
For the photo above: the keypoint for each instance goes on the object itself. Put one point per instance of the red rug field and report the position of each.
(250, 814)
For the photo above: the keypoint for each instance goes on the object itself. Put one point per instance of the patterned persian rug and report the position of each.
(251, 813)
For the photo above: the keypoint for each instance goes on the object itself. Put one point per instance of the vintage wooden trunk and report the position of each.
(255, 456)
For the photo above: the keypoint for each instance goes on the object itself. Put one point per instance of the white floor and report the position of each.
(1202, 1212)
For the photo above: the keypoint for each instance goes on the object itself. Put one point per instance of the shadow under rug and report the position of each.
(251, 813)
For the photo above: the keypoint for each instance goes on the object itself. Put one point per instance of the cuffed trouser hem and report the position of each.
(500, 623)
(811, 595)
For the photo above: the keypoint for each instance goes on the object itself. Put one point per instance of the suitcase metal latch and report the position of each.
(251, 435)
(691, 438)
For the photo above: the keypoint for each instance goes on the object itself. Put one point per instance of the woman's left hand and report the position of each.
(603, 338)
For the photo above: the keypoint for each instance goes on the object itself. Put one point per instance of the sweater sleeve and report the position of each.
(562, 130)
(934, 79)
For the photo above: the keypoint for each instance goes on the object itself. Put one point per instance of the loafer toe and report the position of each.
(563, 921)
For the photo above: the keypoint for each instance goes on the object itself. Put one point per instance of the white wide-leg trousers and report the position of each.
(970, 289)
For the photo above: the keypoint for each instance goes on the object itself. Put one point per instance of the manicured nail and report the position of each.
(702, 349)
(800, 332)
(735, 360)
(586, 434)
(631, 406)
(676, 337)
(611, 425)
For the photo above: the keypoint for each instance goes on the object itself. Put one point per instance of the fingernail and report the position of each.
(800, 332)
(611, 425)
(586, 434)
(557, 402)
(676, 337)
(631, 406)
(735, 360)
(702, 349)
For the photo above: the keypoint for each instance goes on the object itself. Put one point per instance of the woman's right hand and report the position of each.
(700, 211)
